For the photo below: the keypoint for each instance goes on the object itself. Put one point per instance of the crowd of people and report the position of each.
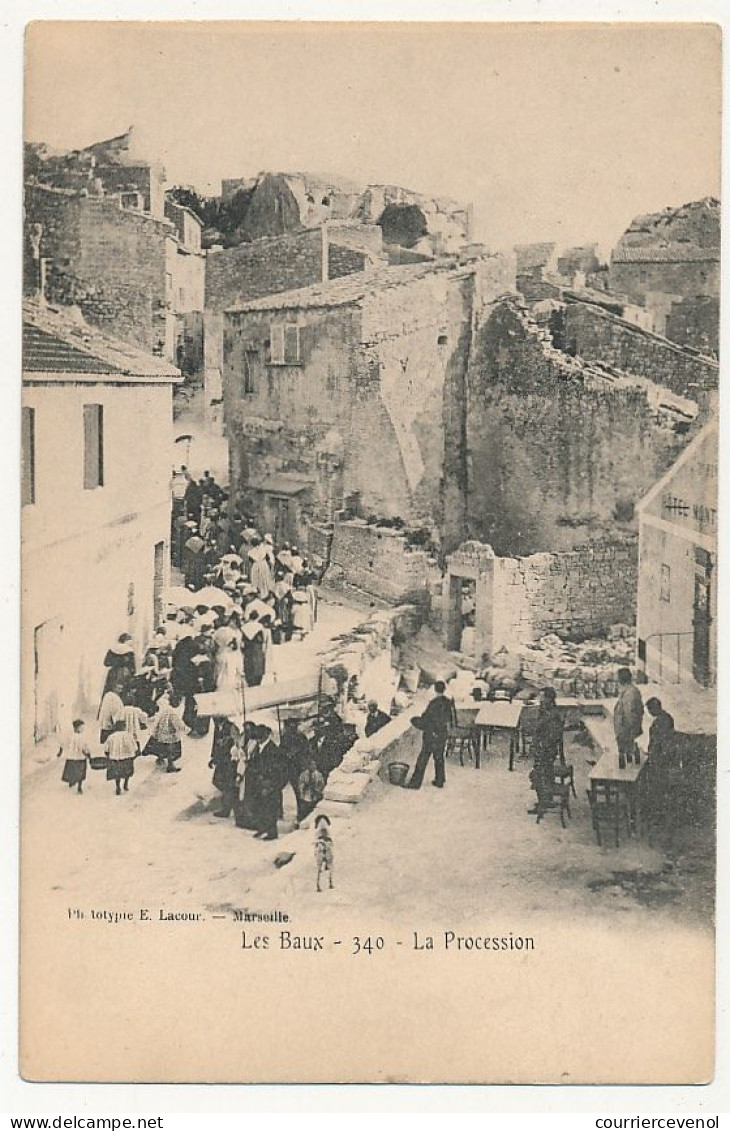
(254, 760)
(257, 597)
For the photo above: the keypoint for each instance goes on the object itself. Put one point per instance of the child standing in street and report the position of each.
(77, 751)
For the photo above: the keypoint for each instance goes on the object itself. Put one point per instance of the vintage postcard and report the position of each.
(369, 552)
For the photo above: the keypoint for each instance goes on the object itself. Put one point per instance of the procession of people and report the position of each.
(243, 598)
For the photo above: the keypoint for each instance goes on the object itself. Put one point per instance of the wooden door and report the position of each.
(701, 621)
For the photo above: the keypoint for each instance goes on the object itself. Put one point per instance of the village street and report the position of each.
(400, 854)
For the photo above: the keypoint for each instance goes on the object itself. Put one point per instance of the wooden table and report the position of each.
(499, 715)
(606, 772)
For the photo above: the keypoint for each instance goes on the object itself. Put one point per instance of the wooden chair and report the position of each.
(528, 725)
(564, 773)
(462, 738)
(607, 808)
(560, 803)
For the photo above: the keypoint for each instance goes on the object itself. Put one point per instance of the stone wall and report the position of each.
(378, 561)
(695, 322)
(345, 261)
(636, 280)
(559, 450)
(108, 261)
(595, 334)
(236, 275)
(262, 267)
(581, 591)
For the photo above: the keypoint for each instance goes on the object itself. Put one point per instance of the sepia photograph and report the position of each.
(369, 475)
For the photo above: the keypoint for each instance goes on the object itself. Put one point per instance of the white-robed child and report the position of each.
(78, 752)
(121, 750)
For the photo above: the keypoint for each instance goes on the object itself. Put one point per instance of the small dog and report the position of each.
(324, 854)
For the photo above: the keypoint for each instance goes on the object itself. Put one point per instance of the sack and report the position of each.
(99, 762)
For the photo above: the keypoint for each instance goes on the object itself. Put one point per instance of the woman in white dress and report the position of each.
(230, 669)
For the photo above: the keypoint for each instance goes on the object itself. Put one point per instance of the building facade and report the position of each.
(96, 443)
(677, 589)
(350, 394)
(100, 234)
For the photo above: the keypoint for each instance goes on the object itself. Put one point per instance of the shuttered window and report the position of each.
(277, 345)
(27, 457)
(291, 344)
(93, 446)
(285, 344)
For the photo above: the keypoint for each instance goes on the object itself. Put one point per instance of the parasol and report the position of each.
(211, 596)
(179, 597)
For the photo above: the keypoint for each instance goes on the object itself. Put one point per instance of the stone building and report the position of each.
(113, 167)
(672, 257)
(350, 394)
(101, 235)
(271, 265)
(581, 260)
(677, 586)
(96, 442)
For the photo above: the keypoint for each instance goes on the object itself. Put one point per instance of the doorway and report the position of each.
(47, 668)
(158, 584)
(701, 619)
(285, 519)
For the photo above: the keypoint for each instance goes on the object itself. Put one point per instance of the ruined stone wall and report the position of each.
(378, 561)
(557, 453)
(580, 591)
(108, 261)
(595, 334)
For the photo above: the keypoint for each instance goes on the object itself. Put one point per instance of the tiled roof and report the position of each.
(668, 253)
(47, 353)
(346, 290)
(56, 342)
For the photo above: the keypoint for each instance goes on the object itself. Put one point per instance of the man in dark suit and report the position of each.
(439, 716)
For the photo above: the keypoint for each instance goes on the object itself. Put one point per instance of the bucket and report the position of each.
(397, 772)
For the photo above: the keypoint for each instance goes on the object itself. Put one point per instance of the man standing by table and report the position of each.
(439, 716)
(627, 719)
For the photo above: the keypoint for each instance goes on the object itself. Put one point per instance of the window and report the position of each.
(93, 446)
(27, 457)
(249, 385)
(285, 344)
(665, 580)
